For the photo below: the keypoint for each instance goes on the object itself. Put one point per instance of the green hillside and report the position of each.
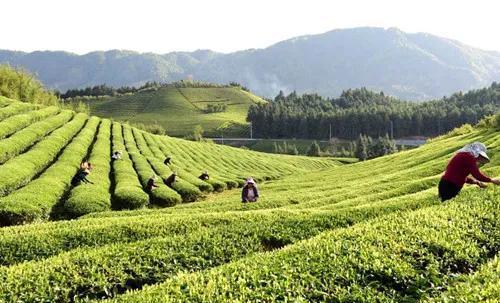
(372, 231)
(179, 110)
(42, 148)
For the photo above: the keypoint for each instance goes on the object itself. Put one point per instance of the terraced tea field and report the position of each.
(371, 231)
(43, 149)
(179, 110)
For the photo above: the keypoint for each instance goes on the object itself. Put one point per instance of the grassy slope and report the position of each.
(373, 231)
(179, 110)
(39, 160)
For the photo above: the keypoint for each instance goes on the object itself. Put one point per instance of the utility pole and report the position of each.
(251, 131)
(330, 137)
(222, 137)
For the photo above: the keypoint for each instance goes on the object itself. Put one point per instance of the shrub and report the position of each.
(80, 202)
(13, 109)
(129, 193)
(392, 258)
(18, 171)
(18, 122)
(162, 195)
(154, 128)
(314, 150)
(20, 141)
(30, 202)
(23, 86)
(216, 108)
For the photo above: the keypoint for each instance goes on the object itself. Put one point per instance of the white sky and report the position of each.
(81, 26)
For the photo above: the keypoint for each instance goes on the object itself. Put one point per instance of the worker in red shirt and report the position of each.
(463, 164)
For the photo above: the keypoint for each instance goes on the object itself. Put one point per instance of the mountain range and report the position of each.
(413, 66)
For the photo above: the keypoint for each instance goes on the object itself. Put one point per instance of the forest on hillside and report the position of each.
(361, 111)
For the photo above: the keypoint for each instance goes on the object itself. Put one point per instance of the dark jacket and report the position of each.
(81, 176)
(151, 184)
(204, 177)
(244, 193)
(170, 180)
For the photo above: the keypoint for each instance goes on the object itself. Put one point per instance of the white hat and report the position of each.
(250, 181)
(484, 155)
(476, 149)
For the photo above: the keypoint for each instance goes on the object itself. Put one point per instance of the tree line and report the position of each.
(361, 111)
(105, 90)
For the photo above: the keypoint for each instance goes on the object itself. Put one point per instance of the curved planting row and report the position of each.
(186, 190)
(49, 239)
(30, 203)
(20, 170)
(146, 139)
(349, 186)
(128, 193)
(391, 259)
(186, 245)
(15, 123)
(188, 165)
(15, 108)
(162, 195)
(87, 198)
(220, 178)
(34, 138)
(407, 256)
(482, 286)
(23, 139)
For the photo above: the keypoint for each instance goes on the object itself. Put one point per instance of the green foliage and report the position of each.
(367, 148)
(374, 230)
(490, 121)
(87, 198)
(361, 111)
(483, 286)
(20, 141)
(370, 231)
(128, 193)
(229, 237)
(154, 128)
(394, 258)
(285, 148)
(20, 121)
(216, 108)
(13, 108)
(162, 195)
(37, 199)
(19, 171)
(314, 150)
(79, 107)
(197, 134)
(23, 86)
(180, 109)
(35, 151)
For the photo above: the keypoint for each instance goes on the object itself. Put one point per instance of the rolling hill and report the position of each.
(370, 231)
(412, 66)
(42, 148)
(179, 110)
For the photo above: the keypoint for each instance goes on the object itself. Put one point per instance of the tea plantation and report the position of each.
(180, 109)
(372, 231)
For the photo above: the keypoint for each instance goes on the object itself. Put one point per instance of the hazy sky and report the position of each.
(227, 25)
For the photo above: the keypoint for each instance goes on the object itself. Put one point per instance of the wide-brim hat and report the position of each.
(484, 155)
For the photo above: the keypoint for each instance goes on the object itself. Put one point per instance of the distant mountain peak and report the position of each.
(408, 65)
